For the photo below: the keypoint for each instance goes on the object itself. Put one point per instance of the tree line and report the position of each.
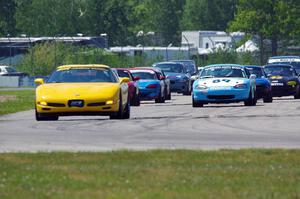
(277, 20)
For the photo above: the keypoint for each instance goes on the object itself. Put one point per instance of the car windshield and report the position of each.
(190, 66)
(10, 69)
(122, 73)
(296, 65)
(279, 71)
(170, 68)
(144, 74)
(82, 75)
(222, 71)
(256, 71)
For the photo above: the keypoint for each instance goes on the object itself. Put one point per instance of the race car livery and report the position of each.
(284, 80)
(224, 83)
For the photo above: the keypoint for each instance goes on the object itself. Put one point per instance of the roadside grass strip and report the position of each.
(15, 101)
(152, 174)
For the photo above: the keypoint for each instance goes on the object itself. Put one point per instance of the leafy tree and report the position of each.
(7, 21)
(48, 17)
(272, 19)
(207, 14)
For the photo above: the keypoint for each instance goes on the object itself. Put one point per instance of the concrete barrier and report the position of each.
(15, 81)
(9, 81)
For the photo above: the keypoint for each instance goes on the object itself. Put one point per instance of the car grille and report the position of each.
(97, 104)
(55, 104)
(220, 97)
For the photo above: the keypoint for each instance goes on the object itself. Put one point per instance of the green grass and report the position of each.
(178, 174)
(15, 101)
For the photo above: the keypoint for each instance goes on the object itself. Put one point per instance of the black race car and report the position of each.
(284, 80)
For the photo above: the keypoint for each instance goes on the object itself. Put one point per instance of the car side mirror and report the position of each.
(162, 78)
(252, 76)
(124, 80)
(136, 79)
(39, 81)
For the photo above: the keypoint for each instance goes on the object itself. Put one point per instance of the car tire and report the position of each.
(126, 113)
(189, 90)
(169, 96)
(268, 98)
(137, 100)
(161, 99)
(121, 114)
(45, 117)
(297, 95)
(251, 101)
(197, 104)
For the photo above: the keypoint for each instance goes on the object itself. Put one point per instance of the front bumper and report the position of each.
(262, 91)
(90, 107)
(149, 94)
(285, 90)
(177, 86)
(221, 96)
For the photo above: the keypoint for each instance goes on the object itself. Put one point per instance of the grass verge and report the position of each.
(153, 174)
(15, 101)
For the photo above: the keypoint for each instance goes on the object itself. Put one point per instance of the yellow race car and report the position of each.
(82, 90)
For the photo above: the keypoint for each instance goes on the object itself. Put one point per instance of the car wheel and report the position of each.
(44, 117)
(189, 90)
(120, 113)
(161, 99)
(297, 95)
(169, 96)
(137, 100)
(197, 104)
(126, 114)
(251, 101)
(268, 98)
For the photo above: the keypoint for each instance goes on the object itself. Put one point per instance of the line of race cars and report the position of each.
(101, 90)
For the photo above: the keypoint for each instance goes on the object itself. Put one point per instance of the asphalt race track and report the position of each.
(173, 125)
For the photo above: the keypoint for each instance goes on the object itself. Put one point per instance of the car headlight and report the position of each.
(43, 103)
(240, 86)
(109, 102)
(201, 87)
(292, 83)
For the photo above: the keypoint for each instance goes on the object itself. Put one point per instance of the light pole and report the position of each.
(167, 55)
(188, 44)
(9, 41)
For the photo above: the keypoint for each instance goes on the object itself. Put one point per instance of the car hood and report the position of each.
(77, 90)
(262, 81)
(281, 78)
(145, 82)
(175, 75)
(216, 82)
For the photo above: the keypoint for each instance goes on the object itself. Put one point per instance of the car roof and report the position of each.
(283, 57)
(123, 69)
(169, 62)
(285, 65)
(236, 65)
(142, 69)
(67, 67)
(252, 66)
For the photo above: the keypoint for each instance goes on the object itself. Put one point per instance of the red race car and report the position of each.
(134, 92)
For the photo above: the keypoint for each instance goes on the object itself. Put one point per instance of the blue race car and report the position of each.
(290, 60)
(224, 83)
(284, 80)
(263, 85)
(151, 85)
(179, 77)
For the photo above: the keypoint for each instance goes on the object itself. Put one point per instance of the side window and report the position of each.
(0, 70)
(247, 73)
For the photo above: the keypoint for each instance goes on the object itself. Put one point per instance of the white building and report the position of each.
(166, 53)
(206, 42)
